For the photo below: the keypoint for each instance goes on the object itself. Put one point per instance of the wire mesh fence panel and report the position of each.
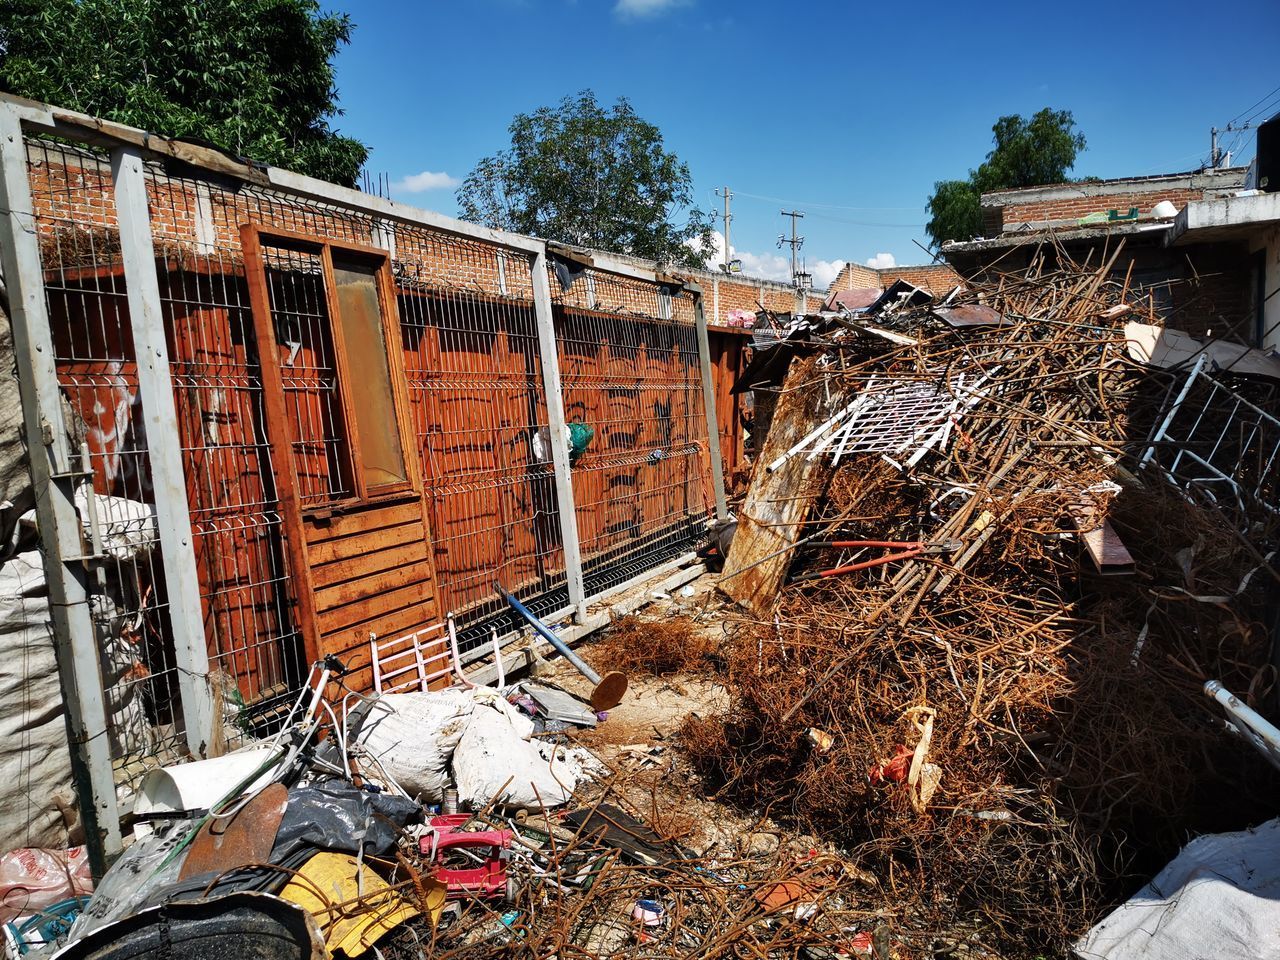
(474, 371)
(632, 387)
(97, 369)
(248, 587)
(480, 420)
(1217, 440)
(255, 650)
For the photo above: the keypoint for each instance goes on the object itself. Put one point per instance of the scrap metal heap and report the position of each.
(989, 559)
(993, 552)
(332, 844)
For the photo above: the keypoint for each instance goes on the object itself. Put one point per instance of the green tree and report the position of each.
(253, 77)
(1027, 153)
(581, 174)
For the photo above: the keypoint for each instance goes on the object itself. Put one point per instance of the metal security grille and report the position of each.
(97, 370)
(1216, 443)
(630, 376)
(481, 422)
(300, 315)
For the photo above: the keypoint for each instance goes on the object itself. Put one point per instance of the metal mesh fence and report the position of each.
(631, 380)
(255, 650)
(481, 423)
(474, 376)
(97, 370)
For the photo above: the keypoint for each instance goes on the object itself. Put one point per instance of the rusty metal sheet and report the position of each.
(245, 838)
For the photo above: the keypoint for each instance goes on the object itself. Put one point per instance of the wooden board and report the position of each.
(778, 503)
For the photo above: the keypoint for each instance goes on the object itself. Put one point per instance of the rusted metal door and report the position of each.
(341, 439)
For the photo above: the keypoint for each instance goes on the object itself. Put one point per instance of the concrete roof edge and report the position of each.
(1223, 178)
(1042, 236)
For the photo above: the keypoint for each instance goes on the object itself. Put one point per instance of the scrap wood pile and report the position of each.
(979, 625)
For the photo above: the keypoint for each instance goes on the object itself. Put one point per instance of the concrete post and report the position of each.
(52, 462)
(164, 449)
(559, 432)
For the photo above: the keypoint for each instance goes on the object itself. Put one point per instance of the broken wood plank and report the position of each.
(778, 501)
(1105, 548)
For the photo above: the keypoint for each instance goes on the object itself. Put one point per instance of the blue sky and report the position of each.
(848, 111)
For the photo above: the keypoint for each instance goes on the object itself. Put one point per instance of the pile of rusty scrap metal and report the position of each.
(331, 840)
(993, 549)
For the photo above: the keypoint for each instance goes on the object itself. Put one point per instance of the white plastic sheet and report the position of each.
(1218, 900)
(35, 765)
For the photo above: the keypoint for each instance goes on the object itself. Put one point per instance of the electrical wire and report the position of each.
(812, 203)
(1265, 97)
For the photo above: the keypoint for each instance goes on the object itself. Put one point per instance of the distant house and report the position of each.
(1204, 246)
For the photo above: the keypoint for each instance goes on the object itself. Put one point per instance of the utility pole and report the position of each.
(796, 242)
(728, 218)
(1215, 155)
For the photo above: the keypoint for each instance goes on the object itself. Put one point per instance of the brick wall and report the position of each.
(937, 278)
(853, 276)
(1073, 208)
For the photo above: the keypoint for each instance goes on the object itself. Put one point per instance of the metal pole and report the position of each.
(51, 459)
(164, 449)
(728, 218)
(558, 432)
(709, 403)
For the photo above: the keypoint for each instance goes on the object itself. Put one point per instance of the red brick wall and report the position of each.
(937, 278)
(721, 295)
(853, 276)
(1073, 208)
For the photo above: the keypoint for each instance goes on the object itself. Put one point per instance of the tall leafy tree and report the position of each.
(583, 174)
(254, 77)
(1027, 153)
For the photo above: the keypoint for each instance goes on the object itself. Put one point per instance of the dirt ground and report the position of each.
(639, 743)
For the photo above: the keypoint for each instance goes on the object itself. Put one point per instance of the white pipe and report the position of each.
(1260, 732)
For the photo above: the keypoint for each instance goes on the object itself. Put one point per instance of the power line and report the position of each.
(806, 203)
(1264, 110)
(1265, 97)
(868, 223)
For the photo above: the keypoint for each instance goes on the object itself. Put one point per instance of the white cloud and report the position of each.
(771, 266)
(424, 181)
(634, 9)
(824, 272)
(882, 261)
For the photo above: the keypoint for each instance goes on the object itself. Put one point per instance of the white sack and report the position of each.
(1219, 899)
(495, 748)
(413, 736)
(35, 765)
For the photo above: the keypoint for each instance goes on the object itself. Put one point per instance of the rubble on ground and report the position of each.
(984, 571)
(994, 552)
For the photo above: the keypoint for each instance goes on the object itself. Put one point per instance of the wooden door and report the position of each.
(341, 437)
